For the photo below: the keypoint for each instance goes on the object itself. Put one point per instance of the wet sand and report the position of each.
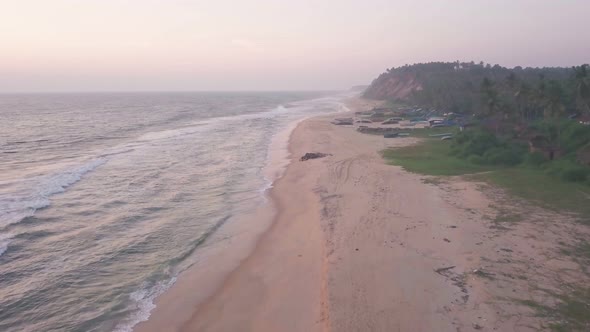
(358, 245)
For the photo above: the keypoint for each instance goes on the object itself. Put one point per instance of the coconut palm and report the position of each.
(554, 106)
(523, 98)
(582, 81)
(490, 96)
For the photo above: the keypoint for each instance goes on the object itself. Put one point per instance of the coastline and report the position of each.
(359, 245)
(199, 284)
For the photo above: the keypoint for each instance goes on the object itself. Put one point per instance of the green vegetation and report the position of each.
(511, 112)
(433, 158)
(524, 130)
(580, 251)
(536, 184)
(542, 189)
(528, 180)
(506, 217)
(469, 88)
(570, 314)
(484, 148)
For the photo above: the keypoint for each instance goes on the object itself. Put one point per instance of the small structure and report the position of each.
(343, 122)
(584, 119)
(541, 144)
(376, 130)
(395, 134)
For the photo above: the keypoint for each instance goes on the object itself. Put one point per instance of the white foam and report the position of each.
(35, 195)
(280, 108)
(278, 156)
(4, 241)
(143, 301)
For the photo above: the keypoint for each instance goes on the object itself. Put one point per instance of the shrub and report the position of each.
(475, 159)
(568, 170)
(474, 142)
(575, 174)
(482, 147)
(507, 156)
(569, 134)
(535, 159)
(574, 136)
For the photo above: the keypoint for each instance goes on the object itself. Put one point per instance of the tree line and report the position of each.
(483, 90)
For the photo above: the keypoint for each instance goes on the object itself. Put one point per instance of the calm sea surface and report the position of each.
(106, 198)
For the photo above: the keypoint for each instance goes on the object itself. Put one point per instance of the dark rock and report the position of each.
(313, 155)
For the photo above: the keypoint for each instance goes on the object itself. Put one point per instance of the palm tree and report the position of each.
(492, 102)
(523, 99)
(582, 81)
(490, 96)
(512, 80)
(552, 98)
(540, 97)
(554, 106)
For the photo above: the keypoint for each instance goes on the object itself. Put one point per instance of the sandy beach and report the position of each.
(359, 245)
(294, 166)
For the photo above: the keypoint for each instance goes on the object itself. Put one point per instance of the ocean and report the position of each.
(106, 198)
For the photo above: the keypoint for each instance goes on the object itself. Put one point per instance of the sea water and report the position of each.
(106, 198)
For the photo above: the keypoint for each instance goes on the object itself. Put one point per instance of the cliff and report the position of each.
(393, 85)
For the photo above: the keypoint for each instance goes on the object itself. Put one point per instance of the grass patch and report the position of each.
(572, 313)
(431, 157)
(426, 132)
(583, 250)
(505, 217)
(579, 251)
(542, 189)
(433, 181)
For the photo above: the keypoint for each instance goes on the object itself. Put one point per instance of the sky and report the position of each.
(249, 45)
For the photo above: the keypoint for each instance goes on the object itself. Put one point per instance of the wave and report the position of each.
(278, 155)
(143, 300)
(13, 209)
(4, 241)
(280, 108)
(277, 159)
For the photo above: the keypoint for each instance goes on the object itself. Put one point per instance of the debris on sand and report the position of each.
(481, 273)
(314, 155)
(443, 269)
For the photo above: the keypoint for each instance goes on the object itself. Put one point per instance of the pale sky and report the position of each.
(166, 45)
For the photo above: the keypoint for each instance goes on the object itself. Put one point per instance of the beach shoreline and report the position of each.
(177, 304)
(359, 245)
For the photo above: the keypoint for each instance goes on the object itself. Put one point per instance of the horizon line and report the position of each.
(170, 91)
